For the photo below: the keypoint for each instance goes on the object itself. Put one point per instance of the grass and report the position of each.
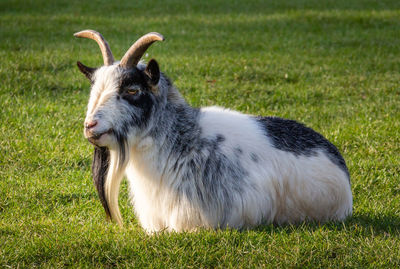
(333, 65)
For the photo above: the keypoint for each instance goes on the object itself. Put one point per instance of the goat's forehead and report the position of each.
(113, 77)
(104, 87)
(107, 76)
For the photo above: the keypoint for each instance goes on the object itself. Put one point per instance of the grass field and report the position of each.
(333, 65)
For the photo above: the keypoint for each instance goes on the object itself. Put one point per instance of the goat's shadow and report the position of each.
(369, 224)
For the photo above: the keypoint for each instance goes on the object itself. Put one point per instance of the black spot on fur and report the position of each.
(254, 157)
(220, 138)
(294, 137)
(238, 151)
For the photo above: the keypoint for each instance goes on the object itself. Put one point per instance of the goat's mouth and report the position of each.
(94, 138)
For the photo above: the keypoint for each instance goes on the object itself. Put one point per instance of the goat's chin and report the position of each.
(105, 140)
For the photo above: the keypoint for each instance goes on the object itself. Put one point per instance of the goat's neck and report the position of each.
(171, 140)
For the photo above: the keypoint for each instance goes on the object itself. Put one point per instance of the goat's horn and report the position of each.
(104, 47)
(136, 51)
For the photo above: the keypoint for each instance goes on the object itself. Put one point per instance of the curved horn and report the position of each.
(136, 51)
(104, 47)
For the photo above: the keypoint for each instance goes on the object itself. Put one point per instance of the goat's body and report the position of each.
(224, 169)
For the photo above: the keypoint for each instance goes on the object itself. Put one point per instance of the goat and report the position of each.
(191, 168)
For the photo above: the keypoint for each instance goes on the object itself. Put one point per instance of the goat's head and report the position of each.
(124, 97)
(122, 94)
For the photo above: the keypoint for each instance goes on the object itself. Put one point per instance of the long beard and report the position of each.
(108, 171)
(101, 160)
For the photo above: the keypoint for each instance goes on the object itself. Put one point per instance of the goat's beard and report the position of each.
(100, 165)
(108, 171)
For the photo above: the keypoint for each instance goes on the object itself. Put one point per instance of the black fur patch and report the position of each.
(131, 77)
(143, 99)
(142, 103)
(294, 137)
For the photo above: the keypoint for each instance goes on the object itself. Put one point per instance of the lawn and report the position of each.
(333, 65)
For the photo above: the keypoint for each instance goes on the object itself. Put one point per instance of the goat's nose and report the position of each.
(90, 124)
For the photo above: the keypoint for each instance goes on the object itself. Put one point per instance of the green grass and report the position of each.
(333, 65)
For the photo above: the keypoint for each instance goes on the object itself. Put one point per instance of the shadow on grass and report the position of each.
(381, 224)
(366, 224)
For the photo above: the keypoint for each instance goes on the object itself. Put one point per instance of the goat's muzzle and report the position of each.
(94, 137)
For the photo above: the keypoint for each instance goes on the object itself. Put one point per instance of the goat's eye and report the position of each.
(133, 91)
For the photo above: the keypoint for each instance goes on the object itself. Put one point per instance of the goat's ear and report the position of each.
(86, 70)
(152, 72)
(100, 165)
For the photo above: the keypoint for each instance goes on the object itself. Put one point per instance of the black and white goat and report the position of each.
(209, 167)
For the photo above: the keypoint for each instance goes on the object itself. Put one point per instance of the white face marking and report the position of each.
(102, 106)
(104, 88)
